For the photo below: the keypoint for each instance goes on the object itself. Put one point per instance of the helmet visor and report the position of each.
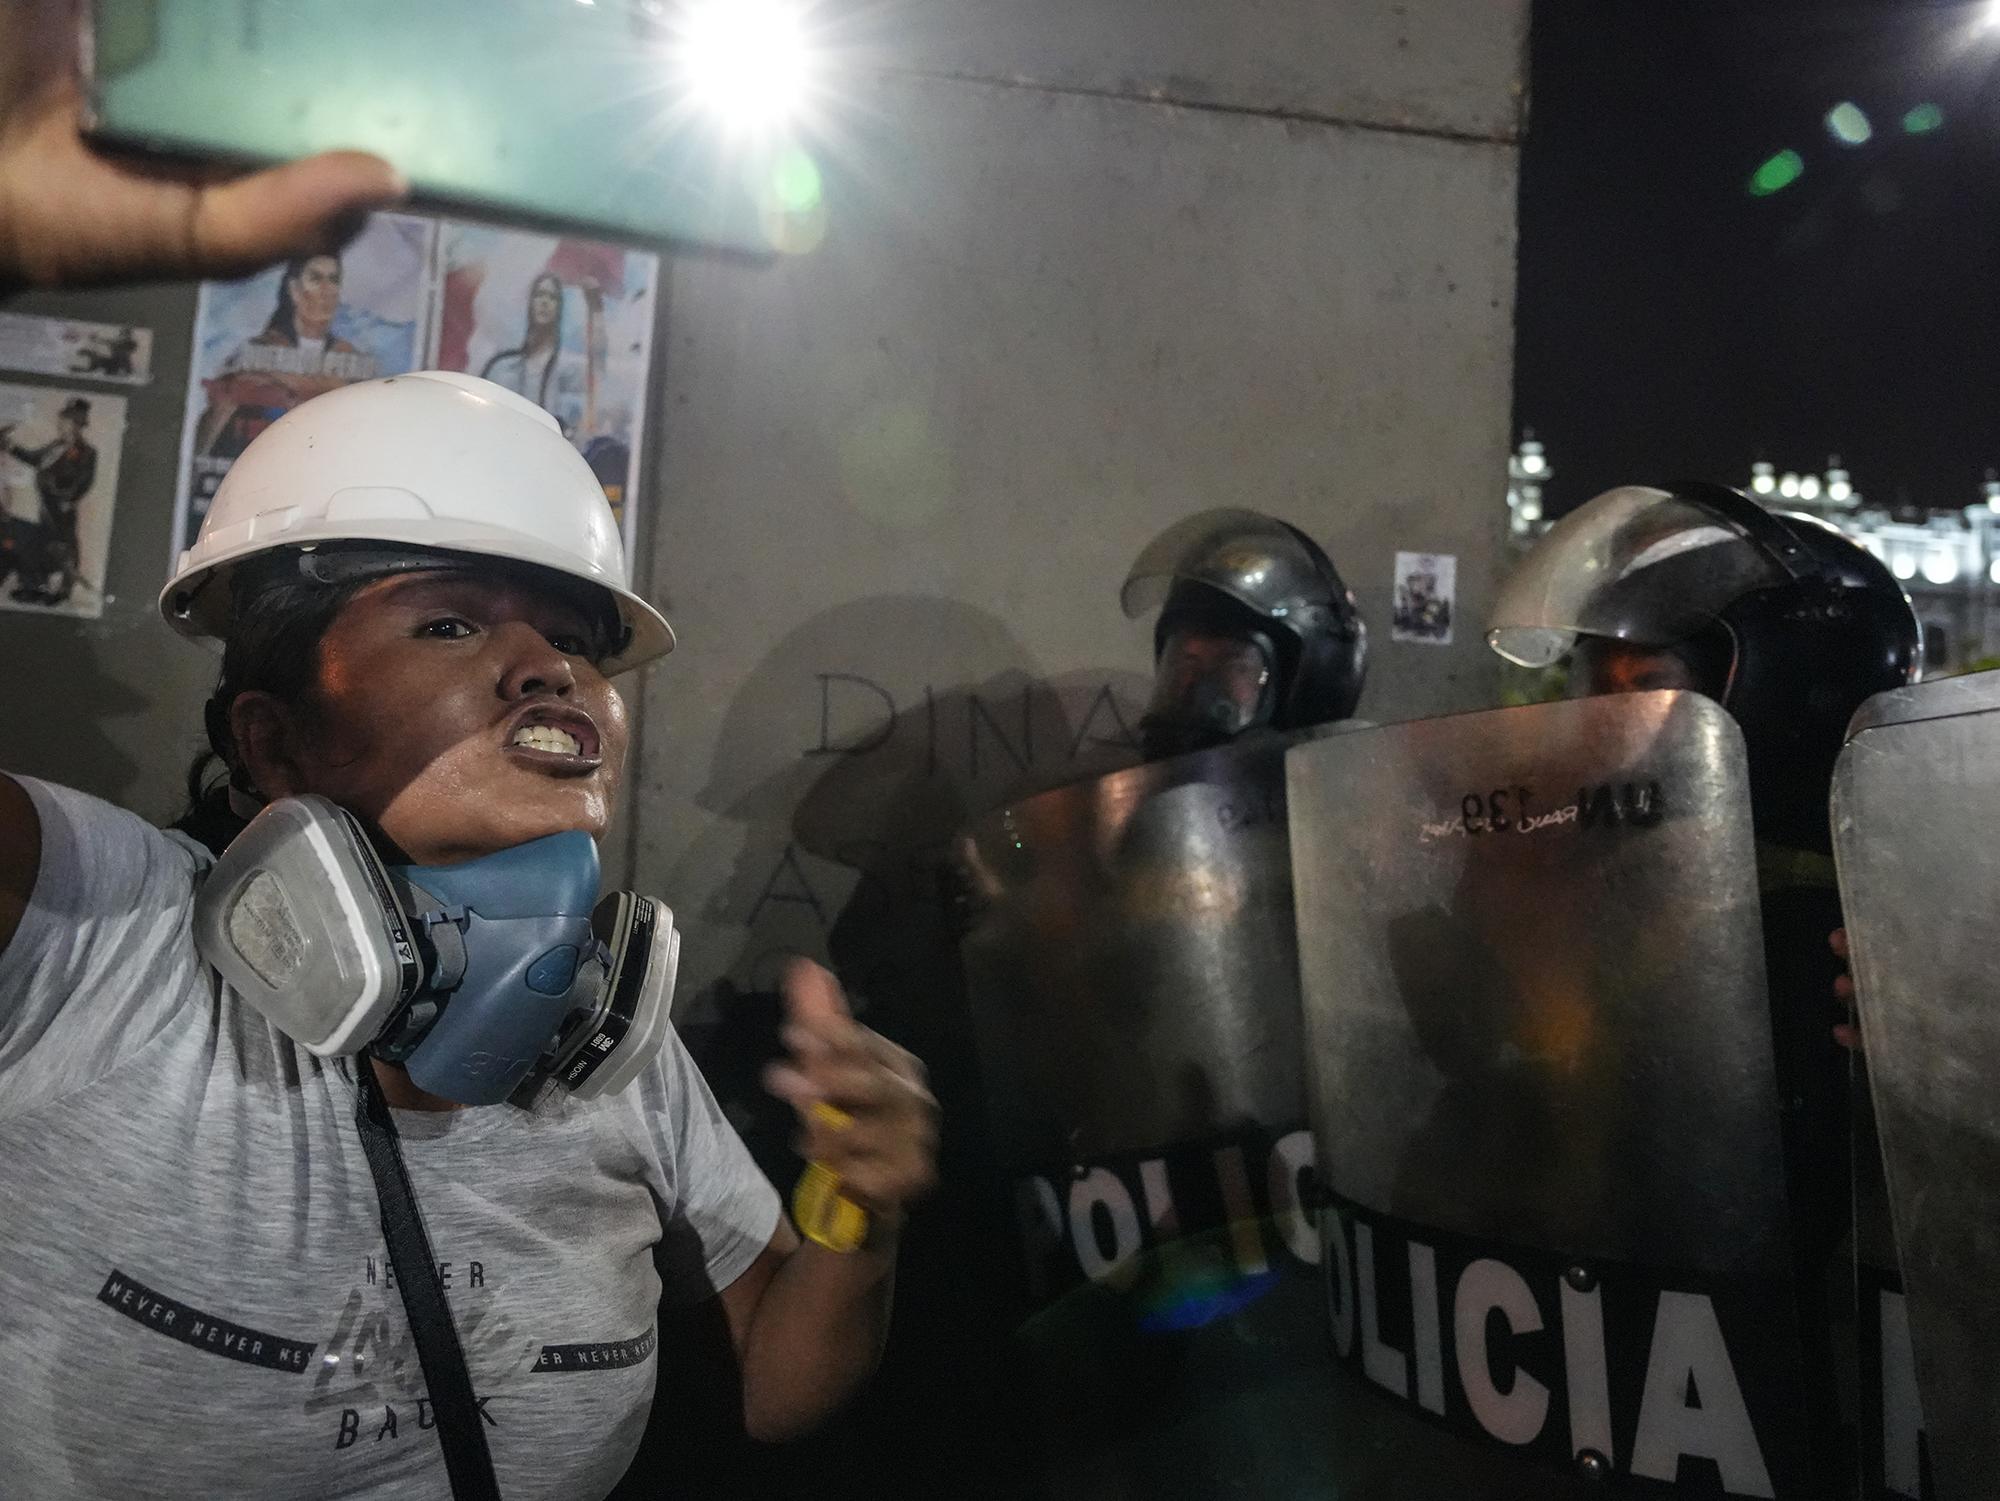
(1636, 565)
(1253, 559)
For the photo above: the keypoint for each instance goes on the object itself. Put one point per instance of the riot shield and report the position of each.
(1916, 803)
(1542, 1082)
(1132, 975)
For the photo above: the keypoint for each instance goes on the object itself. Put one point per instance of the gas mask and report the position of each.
(504, 977)
(1208, 688)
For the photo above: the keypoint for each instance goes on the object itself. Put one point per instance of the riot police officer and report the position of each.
(1790, 626)
(1255, 631)
(1781, 619)
(1132, 984)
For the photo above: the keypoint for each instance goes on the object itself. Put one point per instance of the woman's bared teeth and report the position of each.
(546, 737)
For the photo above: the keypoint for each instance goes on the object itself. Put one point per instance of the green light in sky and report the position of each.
(1781, 171)
(1922, 120)
(1848, 125)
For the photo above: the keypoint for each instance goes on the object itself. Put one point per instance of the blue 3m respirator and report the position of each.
(504, 977)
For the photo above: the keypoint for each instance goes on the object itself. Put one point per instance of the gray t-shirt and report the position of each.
(195, 1297)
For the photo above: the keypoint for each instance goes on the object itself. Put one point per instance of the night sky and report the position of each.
(1670, 323)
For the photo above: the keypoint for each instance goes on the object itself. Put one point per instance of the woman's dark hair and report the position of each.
(546, 278)
(284, 317)
(276, 619)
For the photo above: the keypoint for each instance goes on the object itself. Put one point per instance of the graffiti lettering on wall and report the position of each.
(963, 733)
(789, 886)
(920, 874)
(980, 744)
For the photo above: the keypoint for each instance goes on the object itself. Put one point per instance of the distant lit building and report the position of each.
(1948, 560)
(1527, 472)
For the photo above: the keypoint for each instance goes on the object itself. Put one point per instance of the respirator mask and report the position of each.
(504, 977)
(1208, 688)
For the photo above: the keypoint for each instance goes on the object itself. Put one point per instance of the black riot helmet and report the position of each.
(1237, 575)
(1800, 623)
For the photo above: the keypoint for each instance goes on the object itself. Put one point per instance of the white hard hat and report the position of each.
(437, 461)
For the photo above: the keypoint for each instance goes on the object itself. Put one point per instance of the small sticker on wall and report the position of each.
(58, 478)
(68, 346)
(1426, 595)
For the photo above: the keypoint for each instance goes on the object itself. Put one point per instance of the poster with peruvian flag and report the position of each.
(567, 323)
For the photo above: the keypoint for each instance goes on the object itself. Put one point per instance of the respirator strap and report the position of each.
(461, 1430)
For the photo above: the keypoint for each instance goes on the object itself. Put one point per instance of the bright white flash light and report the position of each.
(747, 63)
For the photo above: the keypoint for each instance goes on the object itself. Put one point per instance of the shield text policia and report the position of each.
(1542, 1081)
(1132, 974)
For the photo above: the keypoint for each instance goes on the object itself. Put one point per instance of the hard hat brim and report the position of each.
(197, 603)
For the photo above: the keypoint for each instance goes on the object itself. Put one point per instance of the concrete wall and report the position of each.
(1055, 311)
(1088, 266)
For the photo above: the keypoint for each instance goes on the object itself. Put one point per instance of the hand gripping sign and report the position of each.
(1542, 1082)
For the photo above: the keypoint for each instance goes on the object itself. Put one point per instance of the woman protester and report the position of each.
(1790, 626)
(345, 1143)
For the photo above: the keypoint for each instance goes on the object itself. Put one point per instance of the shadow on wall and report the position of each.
(844, 855)
(896, 752)
(844, 852)
(82, 755)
